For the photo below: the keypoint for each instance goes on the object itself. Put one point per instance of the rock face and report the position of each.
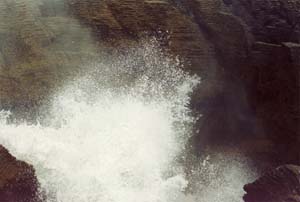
(270, 21)
(271, 70)
(246, 51)
(280, 185)
(261, 70)
(17, 180)
(43, 50)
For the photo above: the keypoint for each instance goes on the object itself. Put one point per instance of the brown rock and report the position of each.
(128, 19)
(41, 65)
(279, 185)
(17, 180)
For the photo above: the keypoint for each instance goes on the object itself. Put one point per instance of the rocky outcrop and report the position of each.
(279, 185)
(51, 48)
(274, 95)
(272, 83)
(118, 23)
(271, 21)
(37, 44)
(129, 19)
(17, 180)
(246, 52)
(261, 71)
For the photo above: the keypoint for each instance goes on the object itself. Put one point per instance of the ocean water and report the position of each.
(117, 132)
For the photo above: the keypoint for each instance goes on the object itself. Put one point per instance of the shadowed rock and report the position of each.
(279, 185)
(17, 179)
(260, 95)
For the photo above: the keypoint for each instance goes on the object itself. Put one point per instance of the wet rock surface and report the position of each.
(241, 49)
(261, 73)
(279, 185)
(17, 179)
(246, 51)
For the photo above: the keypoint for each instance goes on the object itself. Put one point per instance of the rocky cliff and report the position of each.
(246, 51)
(17, 179)
(257, 45)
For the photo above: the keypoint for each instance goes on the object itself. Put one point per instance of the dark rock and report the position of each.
(274, 96)
(279, 185)
(260, 77)
(272, 21)
(17, 180)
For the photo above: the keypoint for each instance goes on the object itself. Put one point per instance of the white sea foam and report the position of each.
(113, 134)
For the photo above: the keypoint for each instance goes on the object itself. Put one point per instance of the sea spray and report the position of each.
(219, 176)
(114, 132)
(117, 132)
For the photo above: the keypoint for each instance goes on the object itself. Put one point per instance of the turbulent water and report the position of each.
(117, 133)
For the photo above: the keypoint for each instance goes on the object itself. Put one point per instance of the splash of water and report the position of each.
(113, 134)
